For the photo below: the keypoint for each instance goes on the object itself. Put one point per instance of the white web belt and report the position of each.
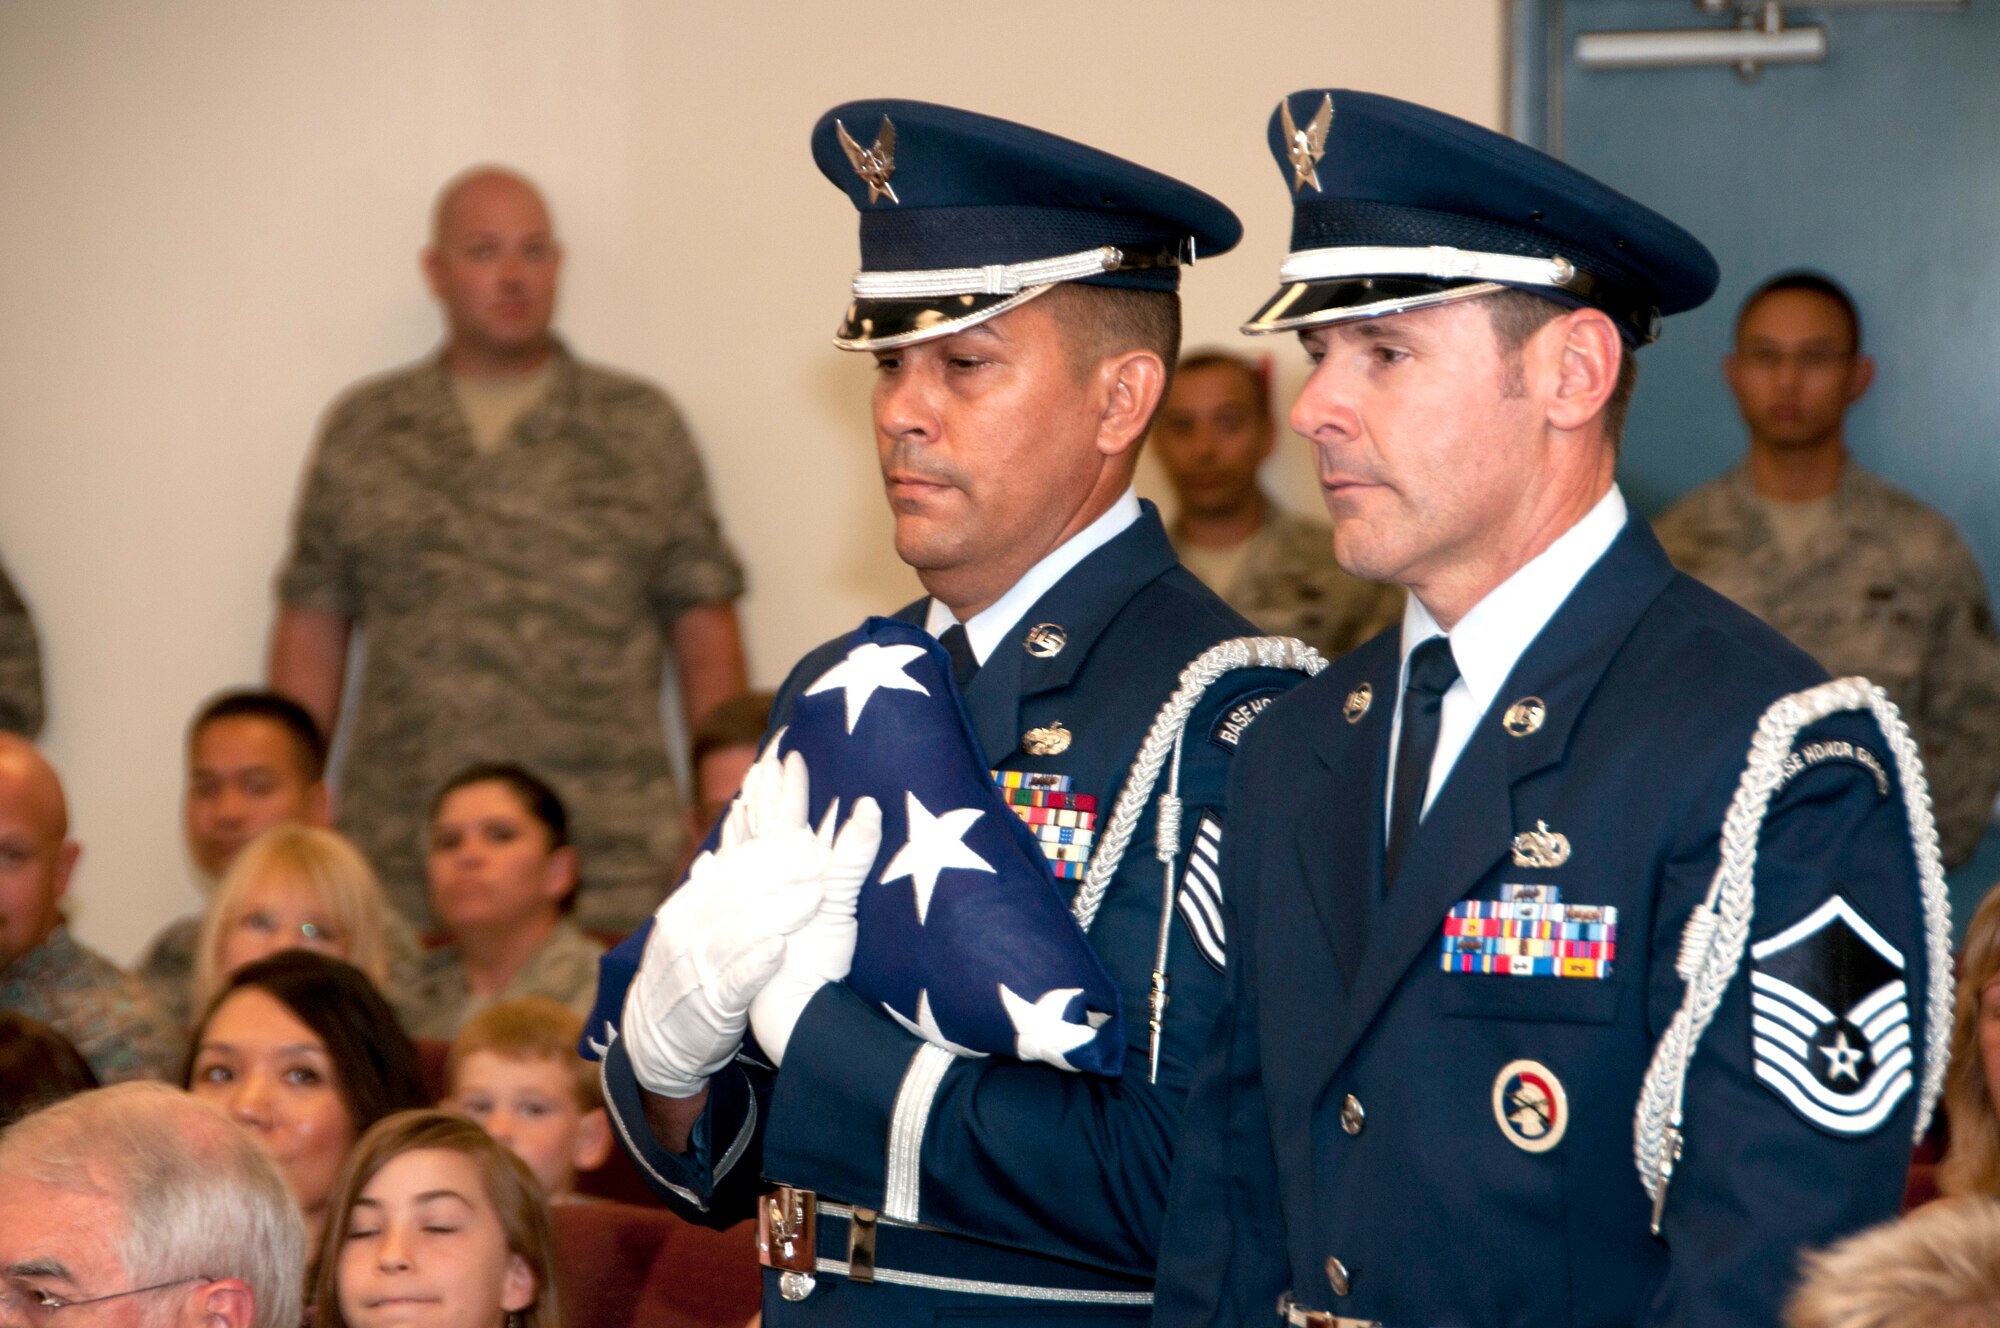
(1437, 261)
(1717, 932)
(993, 279)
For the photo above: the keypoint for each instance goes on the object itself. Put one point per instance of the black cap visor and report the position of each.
(885, 324)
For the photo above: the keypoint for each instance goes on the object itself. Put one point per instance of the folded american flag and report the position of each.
(964, 939)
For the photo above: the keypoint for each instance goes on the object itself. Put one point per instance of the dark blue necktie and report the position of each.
(1432, 672)
(963, 662)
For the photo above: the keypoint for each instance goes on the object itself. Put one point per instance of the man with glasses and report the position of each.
(139, 1206)
(1858, 574)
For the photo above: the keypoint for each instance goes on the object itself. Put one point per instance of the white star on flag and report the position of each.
(1041, 1032)
(868, 669)
(925, 1026)
(936, 844)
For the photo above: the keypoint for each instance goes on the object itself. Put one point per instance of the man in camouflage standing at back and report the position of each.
(1858, 574)
(521, 537)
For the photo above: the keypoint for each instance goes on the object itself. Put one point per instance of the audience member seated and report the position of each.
(430, 1208)
(514, 1070)
(297, 887)
(255, 760)
(305, 1055)
(1937, 1268)
(38, 1067)
(1972, 1081)
(44, 973)
(720, 752)
(151, 1207)
(503, 877)
(1276, 569)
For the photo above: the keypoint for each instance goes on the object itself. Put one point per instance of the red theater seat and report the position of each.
(621, 1266)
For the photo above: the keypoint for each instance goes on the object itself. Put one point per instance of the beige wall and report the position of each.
(210, 214)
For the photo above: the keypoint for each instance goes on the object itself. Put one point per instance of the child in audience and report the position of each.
(514, 1069)
(433, 1221)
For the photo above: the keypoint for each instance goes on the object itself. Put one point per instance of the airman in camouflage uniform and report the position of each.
(20, 664)
(1860, 575)
(564, 970)
(1288, 583)
(1886, 589)
(105, 1013)
(1212, 435)
(518, 585)
(513, 607)
(44, 973)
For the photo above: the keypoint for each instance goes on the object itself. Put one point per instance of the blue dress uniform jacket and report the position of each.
(1342, 1139)
(1027, 1176)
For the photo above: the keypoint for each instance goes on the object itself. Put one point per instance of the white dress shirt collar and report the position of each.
(1490, 640)
(990, 625)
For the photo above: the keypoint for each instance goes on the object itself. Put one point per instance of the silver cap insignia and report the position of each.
(873, 164)
(1306, 146)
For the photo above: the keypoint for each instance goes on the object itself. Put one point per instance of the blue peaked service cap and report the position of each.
(964, 216)
(1396, 206)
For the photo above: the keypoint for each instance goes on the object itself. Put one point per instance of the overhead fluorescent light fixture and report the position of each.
(1760, 39)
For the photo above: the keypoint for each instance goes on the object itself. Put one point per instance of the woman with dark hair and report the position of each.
(38, 1066)
(503, 876)
(304, 1053)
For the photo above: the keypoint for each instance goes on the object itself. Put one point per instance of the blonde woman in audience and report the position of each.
(1972, 1083)
(502, 875)
(1937, 1268)
(293, 888)
(435, 1222)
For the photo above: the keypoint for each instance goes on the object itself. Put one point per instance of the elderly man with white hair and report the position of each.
(151, 1207)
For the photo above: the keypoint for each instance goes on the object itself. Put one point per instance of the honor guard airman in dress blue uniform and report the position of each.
(1463, 858)
(912, 1183)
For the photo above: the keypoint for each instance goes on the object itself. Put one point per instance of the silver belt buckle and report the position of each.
(1290, 1313)
(786, 1226)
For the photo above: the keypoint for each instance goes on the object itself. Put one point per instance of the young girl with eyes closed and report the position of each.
(434, 1224)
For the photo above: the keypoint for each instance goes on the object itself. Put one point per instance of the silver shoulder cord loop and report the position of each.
(1164, 739)
(1717, 931)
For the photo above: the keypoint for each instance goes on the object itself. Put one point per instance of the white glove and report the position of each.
(721, 936)
(823, 950)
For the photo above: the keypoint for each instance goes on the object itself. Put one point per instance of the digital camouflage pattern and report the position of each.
(1887, 590)
(564, 969)
(104, 1012)
(514, 607)
(1290, 585)
(20, 664)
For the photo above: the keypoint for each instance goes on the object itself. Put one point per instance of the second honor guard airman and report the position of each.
(1553, 1000)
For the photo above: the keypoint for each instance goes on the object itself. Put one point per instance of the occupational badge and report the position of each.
(1050, 741)
(1830, 1019)
(1525, 716)
(873, 164)
(1045, 640)
(1541, 847)
(1530, 1106)
(1306, 146)
(1358, 702)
